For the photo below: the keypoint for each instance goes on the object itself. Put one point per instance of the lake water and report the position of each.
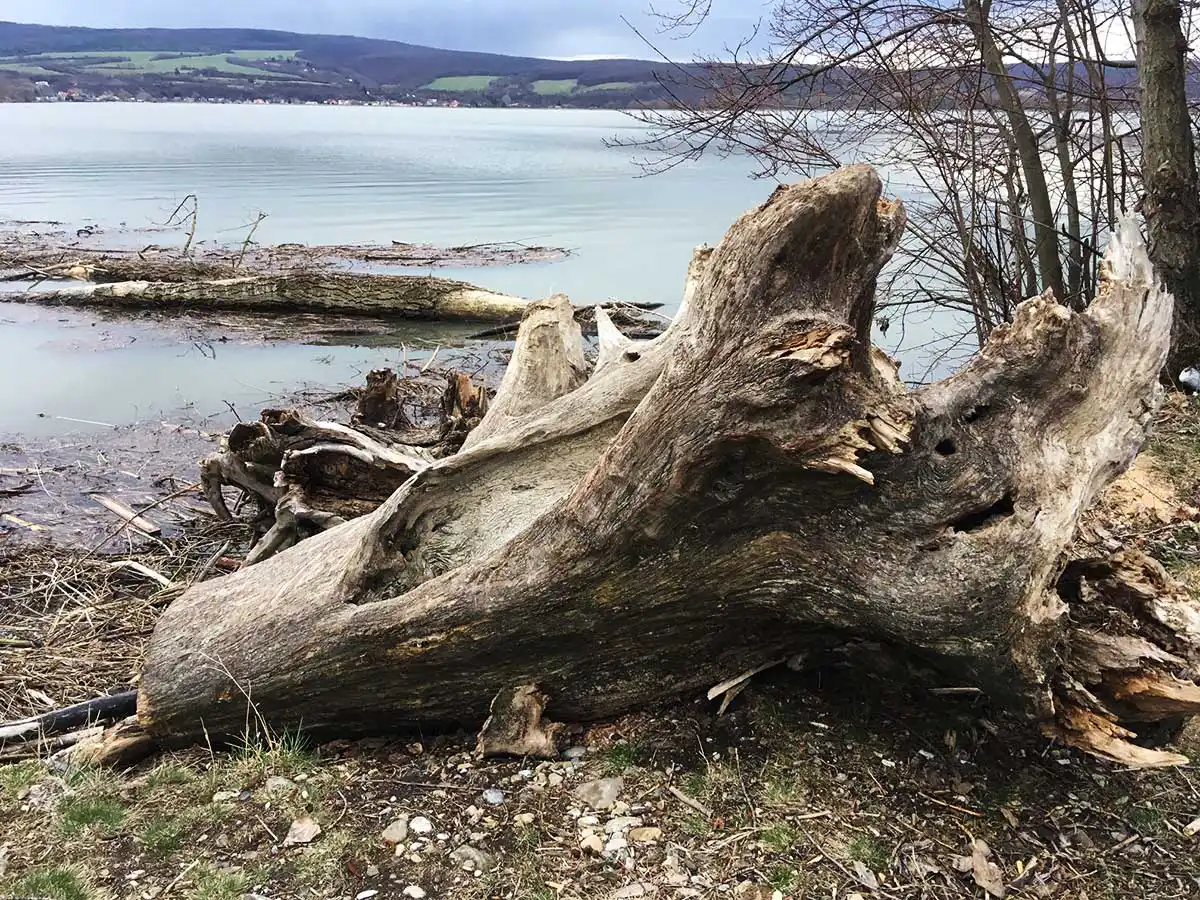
(329, 175)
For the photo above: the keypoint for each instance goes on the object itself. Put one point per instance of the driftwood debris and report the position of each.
(128, 514)
(752, 484)
(24, 255)
(292, 278)
(307, 476)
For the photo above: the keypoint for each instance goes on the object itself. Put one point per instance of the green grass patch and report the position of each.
(206, 815)
(620, 757)
(168, 774)
(259, 756)
(555, 86)
(208, 883)
(869, 852)
(783, 878)
(15, 778)
(23, 69)
(79, 814)
(608, 86)
(163, 836)
(461, 83)
(57, 883)
(148, 61)
(218, 61)
(779, 838)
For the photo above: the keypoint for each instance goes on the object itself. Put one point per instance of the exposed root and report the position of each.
(515, 726)
(1129, 661)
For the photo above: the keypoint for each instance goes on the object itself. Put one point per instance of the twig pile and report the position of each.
(72, 625)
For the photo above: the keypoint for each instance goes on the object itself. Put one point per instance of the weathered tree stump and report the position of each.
(754, 482)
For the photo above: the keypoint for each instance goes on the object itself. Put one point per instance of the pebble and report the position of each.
(279, 785)
(493, 796)
(397, 832)
(554, 779)
(304, 830)
(586, 821)
(365, 895)
(575, 753)
(225, 796)
(593, 843)
(420, 825)
(621, 823)
(601, 794)
(525, 819)
(415, 892)
(372, 871)
(473, 859)
(645, 835)
(615, 845)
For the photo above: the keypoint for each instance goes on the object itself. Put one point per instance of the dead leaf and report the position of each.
(303, 831)
(1192, 828)
(865, 876)
(986, 873)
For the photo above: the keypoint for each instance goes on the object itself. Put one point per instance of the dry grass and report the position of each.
(72, 626)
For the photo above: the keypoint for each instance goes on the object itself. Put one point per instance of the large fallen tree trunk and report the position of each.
(415, 296)
(753, 484)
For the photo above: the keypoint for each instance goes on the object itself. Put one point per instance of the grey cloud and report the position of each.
(525, 27)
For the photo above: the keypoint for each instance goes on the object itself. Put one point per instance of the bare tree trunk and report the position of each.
(755, 483)
(1045, 233)
(1172, 200)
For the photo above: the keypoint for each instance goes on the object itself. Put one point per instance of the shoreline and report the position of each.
(382, 104)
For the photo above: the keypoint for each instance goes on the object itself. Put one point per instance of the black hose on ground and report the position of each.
(112, 708)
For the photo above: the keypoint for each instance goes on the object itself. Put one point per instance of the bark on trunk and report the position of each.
(1045, 231)
(752, 484)
(1172, 199)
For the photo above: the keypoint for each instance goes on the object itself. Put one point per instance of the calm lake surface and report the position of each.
(328, 175)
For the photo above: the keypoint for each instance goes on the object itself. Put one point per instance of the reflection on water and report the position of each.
(57, 365)
(330, 175)
(374, 175)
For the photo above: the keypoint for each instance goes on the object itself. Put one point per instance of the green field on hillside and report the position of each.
(101, 61)
(25, 70)
(608, 86)
(555, 86)
(461, 83)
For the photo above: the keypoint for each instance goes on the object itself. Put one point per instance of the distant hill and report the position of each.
(236, 63)
(248, 64)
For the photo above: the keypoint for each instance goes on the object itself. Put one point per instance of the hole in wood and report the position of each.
(977, 413)
(1002, 508)
(946, 447)
(632, 355)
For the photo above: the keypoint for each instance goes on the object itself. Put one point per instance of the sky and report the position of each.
(550, 28)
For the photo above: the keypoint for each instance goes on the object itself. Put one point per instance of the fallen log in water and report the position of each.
(755, 483)
(409, 296)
